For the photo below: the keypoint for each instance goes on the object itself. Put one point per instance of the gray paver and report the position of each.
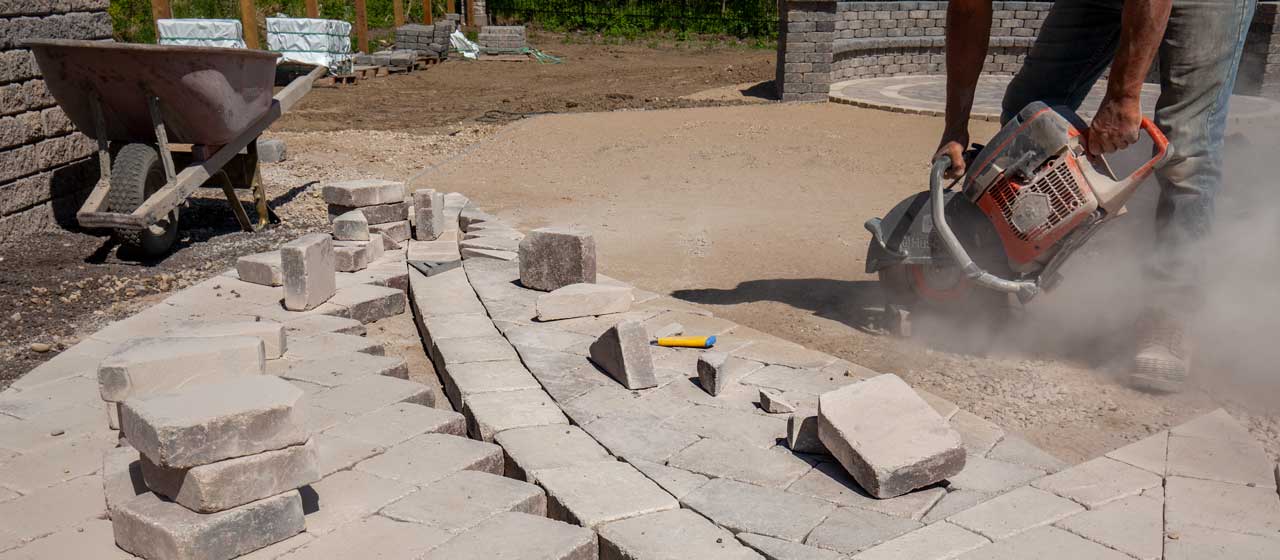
(153, 528)
(234, 482)
(1222, 506)
(979, 435)
(350, 259)
(490, 413)
(934, 542)
(1215, 425)
(786, 354)
(1224, 460)
(121, 476)
(547, 447)
(233, 418)
(888, 458)
(597, 493)
(1134, 526)
(430, 457)
(759, 430)
(30, 517)
(341, 453)
(634, 438)
(778, 549)
(146, 366)
(93, 539)
(55, 463)
(954, 502)
(429, 209)
(373, 537)
(346, 496)
(459, 326)
(1196, 543)
(774, 403)
(992, 477)
(555, 257)
(1018, 511)
(461, 381)
(495, 254)
(775, 467)
(362, 192)
(713, 372)
(1013, 449)
(375, 214)
(669, 535)
(850, 530)
(490, 243)
(1147, 454)
(261, 268)
(474, 349)
(677, 482)
(307, 264)
(802, 433)
(1045, 543)
(399, 422)
(343, 369)
(273, 336)
(351, 226)
(518, 535)
(465, 499)
(623, 352)
(318, 345)
(393, 233)
(367, 303)
(829, 481)
(546, 337)
(371, 393)
(581, 300)
(794, 380)
(1096, 482)
(742, 507)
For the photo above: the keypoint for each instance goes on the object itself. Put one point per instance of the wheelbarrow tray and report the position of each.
(209, 95)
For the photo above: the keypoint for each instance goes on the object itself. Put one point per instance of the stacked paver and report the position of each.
(502, 37)
(223, 459)
(429, 40)
(44, 170)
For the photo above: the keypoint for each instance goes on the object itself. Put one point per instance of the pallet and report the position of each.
(424, 61)
(505, 57)
(338, 80)
(366, 72)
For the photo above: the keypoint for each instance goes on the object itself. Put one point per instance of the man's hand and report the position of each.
(953, 146)
(1115, 127)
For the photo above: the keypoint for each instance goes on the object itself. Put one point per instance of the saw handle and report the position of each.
(1112, 192)
(1161, 144)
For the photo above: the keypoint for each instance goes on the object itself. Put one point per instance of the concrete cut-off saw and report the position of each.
(1030, 198)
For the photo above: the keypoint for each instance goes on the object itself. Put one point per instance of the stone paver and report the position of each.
(234, 418)
(465, 499)
(597, 493)
(393, 233)
(54, 464)
(536, 448)
(351, 226)
(794, 380)
(979, 435)
(1215, 425)
(802, 433)
(713, 372)
(849, 530)
(546, 337)
(1015, 512)
(440, 327)
(347, 258)
(829, 481)
(367, 303)
(1134, 526)
(375, 214)
(30, 517)
(372, 537)
(234, 482)
(307, 264)
(955, 501)
(775, 467)
(398, 423)
(1221, 506)
(677, 482)
(362, 192)
(774, 403)
(474, 349)
(778, 549)
(554, 257)
(623, 352)
(1096, 482)
(1147, 454)
(934, 542)
(518, 535)
(273, 335)
(785, 354)
(153, 528)
(348, 496)
(1224, 460)
(669, 535)
(1196, 543)
(491, 413)
(146, 366)
(635, 438)
(1013, 449)
(759, 430)
(342, 369)
(991, 477)
(428, 458)
(461, 381)
(261, 268)
(94, 540)
(888, 458)
(316, 324)
(581, 300)
(742, 507)
(429, 209)
(320, 345)
(1044, 543)
(371, 393)
(340, 453)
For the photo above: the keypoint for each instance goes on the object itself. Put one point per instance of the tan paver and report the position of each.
(1016, 512)
(597, 493)
(428, 458)
(1099, 481)
(465, 499)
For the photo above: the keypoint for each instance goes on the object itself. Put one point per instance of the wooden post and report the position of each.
(471, 13)
(450, 8)
(362, 26)
(249, 20)
(159, 10)
(313, 9)
(427, 16)
(397, 8)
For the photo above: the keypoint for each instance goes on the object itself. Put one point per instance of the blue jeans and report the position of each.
(1198, 61)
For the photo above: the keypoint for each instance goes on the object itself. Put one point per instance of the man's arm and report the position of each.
(1142, 25)
(968, 33)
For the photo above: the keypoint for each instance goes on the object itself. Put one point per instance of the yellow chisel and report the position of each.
(687, 341)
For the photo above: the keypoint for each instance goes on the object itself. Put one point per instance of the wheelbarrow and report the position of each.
(168, 120)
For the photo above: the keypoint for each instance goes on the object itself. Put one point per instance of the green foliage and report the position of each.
(630, 19)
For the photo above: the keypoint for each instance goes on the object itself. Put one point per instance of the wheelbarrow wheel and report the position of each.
(136, 174)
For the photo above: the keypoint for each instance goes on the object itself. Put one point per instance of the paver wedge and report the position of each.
(623, 352)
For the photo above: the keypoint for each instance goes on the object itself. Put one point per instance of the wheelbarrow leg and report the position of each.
(162, 138)
(259, 189)
(97, 198)
(236, 208)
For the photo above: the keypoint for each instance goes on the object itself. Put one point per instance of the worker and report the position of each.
(1199, 44)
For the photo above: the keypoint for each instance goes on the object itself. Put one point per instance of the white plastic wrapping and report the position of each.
(201, 32)
(321, 42)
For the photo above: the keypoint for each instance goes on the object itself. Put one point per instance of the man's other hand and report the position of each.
(953, 148)
(1115, 127)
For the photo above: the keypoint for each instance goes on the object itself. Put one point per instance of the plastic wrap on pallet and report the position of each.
(201, 32)
(322, 42)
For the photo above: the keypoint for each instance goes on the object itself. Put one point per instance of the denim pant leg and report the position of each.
(1199, 58)
(1074, 47)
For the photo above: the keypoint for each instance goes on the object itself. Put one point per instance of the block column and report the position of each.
(806, 31)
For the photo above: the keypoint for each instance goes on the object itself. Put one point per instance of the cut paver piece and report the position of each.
(121, 476)
(393, 233)
(850, 530)
(1015, 512)
(373, 537)
(774, 403)
(368, 303)
(351, 226)
(888, 459)
(1215, 425)
(399, 422)
(554, 257)
(802, 433)
(1096, 482)
(1239, 462)
(742, 507)
(778, 549)
(631, 439)
(343, 369)
(581, 300)
(309, 274)
(992, 477)
(597, 493)
(146, 366)
(548, 447)
(669, 535)
(491, 243)
(519, 535)
(430, 457)
(373, 392)
(495, 254)
(350, 259)
(623, 352)
(363, 192)
(347, 496)
(934, 542)
(718, 371)
(1197, 543)
(465, 499)
(376, 214)
(491, 413)
(234, 482)
(153, 528)
(316, 324)
(1134, 526)
(261, 268)
(1013, 449)
(978, 434)
(1147, 454)
(1046, 543)
(272, 333)
(217, 421)
(742, 462)
(429, 209)
(1222, 506)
